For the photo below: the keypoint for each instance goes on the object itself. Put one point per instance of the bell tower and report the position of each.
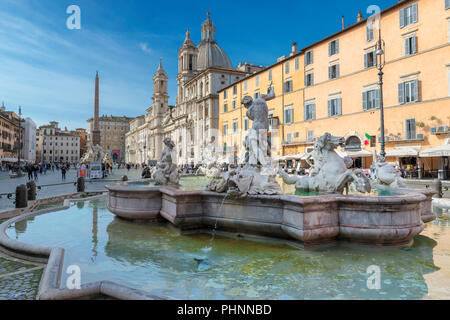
(187, 64)
(160, 93)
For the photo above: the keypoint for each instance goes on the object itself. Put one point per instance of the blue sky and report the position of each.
(49, 70)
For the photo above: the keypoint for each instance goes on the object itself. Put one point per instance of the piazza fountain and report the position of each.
(247, 199)
(266, 244)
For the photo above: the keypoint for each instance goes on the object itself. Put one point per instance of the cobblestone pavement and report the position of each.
(8, 185)
(18, 280)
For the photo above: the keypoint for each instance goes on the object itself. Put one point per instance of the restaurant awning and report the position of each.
(10, 160)
(403, 152)
(442, 151)
(354, 154)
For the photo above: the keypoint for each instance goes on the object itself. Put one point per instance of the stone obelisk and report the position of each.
(96, 131)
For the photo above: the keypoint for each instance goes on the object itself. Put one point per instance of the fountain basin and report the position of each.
(310, 220)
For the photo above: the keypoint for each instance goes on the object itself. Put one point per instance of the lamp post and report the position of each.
(19, 148)
(381, 62)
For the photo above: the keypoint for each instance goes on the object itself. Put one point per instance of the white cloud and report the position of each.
(144, 47)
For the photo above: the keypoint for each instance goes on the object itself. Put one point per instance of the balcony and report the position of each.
(400, 138)
(440, 130)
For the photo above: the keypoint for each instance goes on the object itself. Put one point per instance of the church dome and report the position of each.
(209, 52)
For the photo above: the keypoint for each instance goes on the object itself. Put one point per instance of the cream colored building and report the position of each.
(56, 145)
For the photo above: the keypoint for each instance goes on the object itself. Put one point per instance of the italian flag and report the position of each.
(367, 138)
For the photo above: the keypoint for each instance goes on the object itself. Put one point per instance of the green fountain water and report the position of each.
(156, 258)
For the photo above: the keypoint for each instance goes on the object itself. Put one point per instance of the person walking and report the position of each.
(63, 172)
(35, 171)
(29, 171)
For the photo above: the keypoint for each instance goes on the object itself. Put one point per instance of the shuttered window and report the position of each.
(410, 45)
(333, 47)
(225, 107)
(288, 86)
(245, 85)
(309, 58)
(287, 67)
(447, 4)
(288, 115)
(410, 129)
(225, 129)
(334, 107)
(309, 79)
(333, 71)
(408, 91)
(297, 63)
(370, 32)
(233, 104)
(370, 60)
(310, 111)
(408, 15)
(257, 81)
(371, 99)
(270, 75)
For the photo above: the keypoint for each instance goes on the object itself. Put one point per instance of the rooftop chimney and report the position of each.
(359, 17)
(294, 49)
(343, 23)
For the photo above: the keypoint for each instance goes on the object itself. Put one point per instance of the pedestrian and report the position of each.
(63, 172)
(29, 171)
(35, 171)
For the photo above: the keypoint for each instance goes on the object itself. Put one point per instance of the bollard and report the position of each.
(81, 184)
(437, 186)
(124, 178)
(21, 196)
(31, 186)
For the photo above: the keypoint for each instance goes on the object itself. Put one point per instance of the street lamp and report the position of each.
(20, 143)
(381, 62)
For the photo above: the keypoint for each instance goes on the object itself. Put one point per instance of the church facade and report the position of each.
(192, 124)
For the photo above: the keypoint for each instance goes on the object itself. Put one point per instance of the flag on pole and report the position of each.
(367, 139)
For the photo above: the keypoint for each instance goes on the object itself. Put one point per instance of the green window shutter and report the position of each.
(305, 112)
(339, 106)
(447, 4)
(313, 108)
(329, 73)
(416, 90)
(414, 13)
(329, 108)
(414, 45)
(407, 48)
(377, 99)
(337, 46)
(374, 57)
(329, 48)
(364, 97)
(401, 93)
(337, 71)
(402, 18)
(366, 60)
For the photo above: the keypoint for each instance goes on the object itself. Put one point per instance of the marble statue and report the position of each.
(256, 176)
(329, 172)
(166, 171)
(209, 167)
(94, 154)
(387, 175)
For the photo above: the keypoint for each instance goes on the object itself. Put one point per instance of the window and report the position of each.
(256, 95)
(245, 123)
(373, 141)
(234, 90)
(297, 63)
(370, 31)
(309, 58)
(333, 71)
(233, 104)
(408, 15)
(288, 86)
(334, 107)
(235, 126)
(370, 60)
(286, 67)
(289, 138)
(288, 114)
(270, 75)
(225, 107)
(257, 81)
(371, 99)
(333, 47)
(296, 134)
(410, 129)
(309, 79)
(408, 91)
(245, 85)
(310, 111)
(225, 94)
(224, 147)
(447, 4)
(310, 135)
(410, 45)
